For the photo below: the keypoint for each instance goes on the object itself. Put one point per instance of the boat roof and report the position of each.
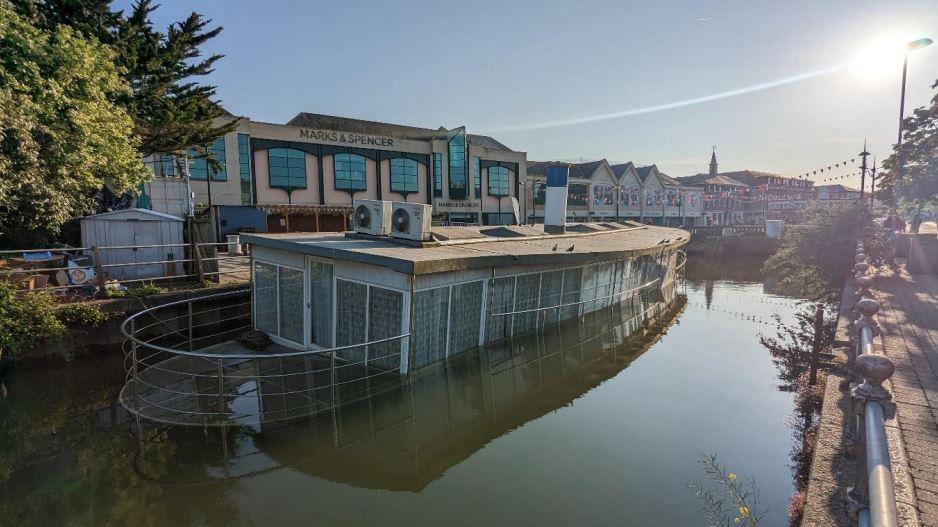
(462, 248)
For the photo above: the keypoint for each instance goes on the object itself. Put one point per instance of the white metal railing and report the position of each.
(872, 498)
(184, 367)
(86, 269)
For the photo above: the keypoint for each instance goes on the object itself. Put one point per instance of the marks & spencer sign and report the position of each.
(347, 138)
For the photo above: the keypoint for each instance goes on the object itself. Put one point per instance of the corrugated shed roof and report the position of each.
(361, 126)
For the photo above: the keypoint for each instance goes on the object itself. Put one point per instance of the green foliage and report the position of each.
(27, 321)
(815, 258)
(82, 314)
(727, 501)
(62, 136)
(146, 290)
(911, 177)
(171, 112)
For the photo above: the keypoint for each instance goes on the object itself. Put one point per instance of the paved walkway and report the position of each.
(909, 315)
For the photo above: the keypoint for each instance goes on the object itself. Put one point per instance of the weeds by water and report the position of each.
(727, 500)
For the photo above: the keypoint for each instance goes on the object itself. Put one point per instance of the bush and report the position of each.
(145, 290)
(79, 314)
(27, 321)
(815, 259)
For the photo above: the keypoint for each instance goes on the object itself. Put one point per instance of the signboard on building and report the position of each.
(457, 205)
(348, 138)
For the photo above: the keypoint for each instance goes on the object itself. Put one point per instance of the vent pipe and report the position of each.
(555, 201)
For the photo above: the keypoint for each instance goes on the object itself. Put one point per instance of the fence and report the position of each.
(712, 231)
(872, 497)
(91, 269)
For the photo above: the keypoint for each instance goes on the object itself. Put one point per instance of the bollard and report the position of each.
(863, 288)
(860, 269)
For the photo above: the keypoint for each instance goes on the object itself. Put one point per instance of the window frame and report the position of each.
(403, 178)
(289, 177)
(198, 164)
(347, 158)
(507, 181)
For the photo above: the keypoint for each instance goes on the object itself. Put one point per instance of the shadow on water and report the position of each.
(69, 455)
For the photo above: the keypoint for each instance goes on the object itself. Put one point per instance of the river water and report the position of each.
(600, 422)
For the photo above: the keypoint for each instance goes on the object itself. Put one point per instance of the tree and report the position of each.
(171, 112)
(62, 135)
(912, 169)
(815, 258)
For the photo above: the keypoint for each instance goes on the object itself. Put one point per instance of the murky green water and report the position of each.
(597, 423)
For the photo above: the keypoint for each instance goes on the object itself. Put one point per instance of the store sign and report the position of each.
(346, 138)
(468, 205)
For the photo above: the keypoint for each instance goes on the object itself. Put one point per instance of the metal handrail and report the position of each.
(872, 497)
(581, 302)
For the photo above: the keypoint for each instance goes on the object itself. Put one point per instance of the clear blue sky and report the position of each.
(498, 64)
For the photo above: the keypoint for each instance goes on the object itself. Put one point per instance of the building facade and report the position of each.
(306, 173)
(598, 191)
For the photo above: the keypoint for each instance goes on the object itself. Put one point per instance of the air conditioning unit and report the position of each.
(411, 221)
(372, 217)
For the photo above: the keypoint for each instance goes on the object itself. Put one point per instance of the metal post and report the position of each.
(221, 390)
(189, 303)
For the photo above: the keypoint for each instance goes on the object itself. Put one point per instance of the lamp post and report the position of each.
(911, 46)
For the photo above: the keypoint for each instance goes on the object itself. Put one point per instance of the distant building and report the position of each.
(830, 195)
(750, 196)
(598, 191)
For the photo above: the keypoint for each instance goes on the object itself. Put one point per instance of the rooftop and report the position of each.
(457, 248)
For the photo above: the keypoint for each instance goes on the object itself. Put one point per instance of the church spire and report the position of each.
(713, 163)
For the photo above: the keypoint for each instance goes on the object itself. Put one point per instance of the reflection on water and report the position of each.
(592, 422)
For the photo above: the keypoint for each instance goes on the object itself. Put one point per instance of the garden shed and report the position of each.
(135, 243)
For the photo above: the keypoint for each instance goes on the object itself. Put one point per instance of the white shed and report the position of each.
(134, 237)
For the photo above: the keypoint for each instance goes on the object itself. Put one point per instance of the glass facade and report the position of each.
(477, 176)
(286, 168)
(320, 294)
(466, 317)
(437, 175)
(498, 181)
(244, 166)
(457, 166)
(385, 319)
(403, 175)
(199, 167)
(431, 309)
(349, 172)
(278, 301)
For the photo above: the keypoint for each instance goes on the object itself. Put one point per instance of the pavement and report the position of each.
(909, 318)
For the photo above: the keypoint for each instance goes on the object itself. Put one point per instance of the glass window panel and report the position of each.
(350, 312)
(457, 166)
(477, 176)
(265, 297)
(320, 275)
(502, 291)
(465, 317)
(349, 172)
(291, 304)
(498, 181)
(571, 292)
(385, 320)
(287, 168)
(431, 308)
(526, 298)
(437, 174)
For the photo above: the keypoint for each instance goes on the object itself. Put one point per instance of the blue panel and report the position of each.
(557, 176)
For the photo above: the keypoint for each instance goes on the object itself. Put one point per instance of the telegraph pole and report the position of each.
(863, 168)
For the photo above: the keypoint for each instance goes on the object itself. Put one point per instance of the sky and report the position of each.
(530, 73)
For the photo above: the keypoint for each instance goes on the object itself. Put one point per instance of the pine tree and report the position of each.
(172, 113)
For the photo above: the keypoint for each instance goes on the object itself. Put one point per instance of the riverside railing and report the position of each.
(76, 269)
(185, 365)
(872, 498)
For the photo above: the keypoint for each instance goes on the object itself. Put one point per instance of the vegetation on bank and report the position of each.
(727, 500)
(815, 258)
(30, 322)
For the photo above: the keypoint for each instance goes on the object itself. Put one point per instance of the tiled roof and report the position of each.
(361, 126)
(577, 170)
(621, 168)
(643, 172)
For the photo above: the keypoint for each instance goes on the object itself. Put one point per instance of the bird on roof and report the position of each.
(570, 250)
(555, 248)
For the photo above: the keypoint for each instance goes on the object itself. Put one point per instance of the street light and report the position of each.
(911, 46)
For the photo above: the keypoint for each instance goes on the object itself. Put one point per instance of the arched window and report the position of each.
(349, 172)
(498, 181)
(286, 168)
(403, 175)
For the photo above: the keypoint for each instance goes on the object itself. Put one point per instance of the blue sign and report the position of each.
(557, 176)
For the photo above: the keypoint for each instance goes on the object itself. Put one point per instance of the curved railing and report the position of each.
(185, 366)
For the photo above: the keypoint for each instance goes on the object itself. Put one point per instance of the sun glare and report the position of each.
(881, 57)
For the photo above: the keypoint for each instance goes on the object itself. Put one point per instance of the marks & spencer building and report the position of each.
(305, 174)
